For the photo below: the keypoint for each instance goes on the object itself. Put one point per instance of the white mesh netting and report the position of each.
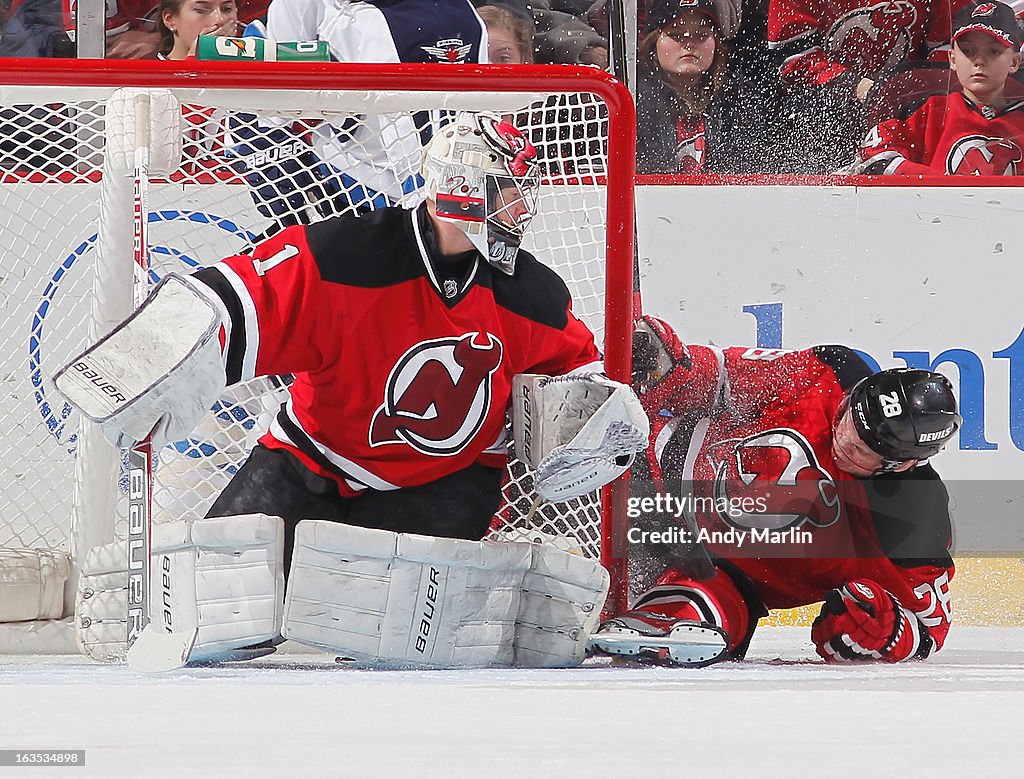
(252, 161)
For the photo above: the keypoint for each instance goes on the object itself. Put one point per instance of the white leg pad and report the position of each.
(32, 584)
(101, 603)
(224, 576)
(562, 598)
(405, 600)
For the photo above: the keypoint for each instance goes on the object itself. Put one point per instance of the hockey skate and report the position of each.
(659, 640)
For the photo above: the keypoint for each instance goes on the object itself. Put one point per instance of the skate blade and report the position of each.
(688, 646)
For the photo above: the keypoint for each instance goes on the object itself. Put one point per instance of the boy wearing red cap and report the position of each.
(979, 131)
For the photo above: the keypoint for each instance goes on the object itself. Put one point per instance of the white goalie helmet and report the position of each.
(482, 174)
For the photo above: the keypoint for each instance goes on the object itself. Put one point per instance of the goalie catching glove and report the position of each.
(578, 431)
(157, 372)
(862, 621)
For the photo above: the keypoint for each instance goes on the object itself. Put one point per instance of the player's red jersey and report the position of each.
(949, 134)
(820, 41)
(402, 373)
(748, 433)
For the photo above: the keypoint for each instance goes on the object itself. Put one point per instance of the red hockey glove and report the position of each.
(657, 352)
(660, 368)
(862, 621)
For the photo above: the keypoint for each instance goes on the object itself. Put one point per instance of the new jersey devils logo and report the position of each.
(778, 472)
(690, 148)
(438, 394)
(868, 40)
(506, 139)
(977, 155)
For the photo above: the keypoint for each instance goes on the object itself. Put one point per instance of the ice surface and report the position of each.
(779, 714)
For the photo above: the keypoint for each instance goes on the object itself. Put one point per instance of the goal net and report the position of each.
(261, 146)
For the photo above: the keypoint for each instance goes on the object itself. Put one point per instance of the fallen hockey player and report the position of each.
(809, 477)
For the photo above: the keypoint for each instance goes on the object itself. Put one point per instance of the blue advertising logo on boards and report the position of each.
(56, 419)
(969, 365)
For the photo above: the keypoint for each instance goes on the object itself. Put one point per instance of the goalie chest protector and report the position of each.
(402, 372)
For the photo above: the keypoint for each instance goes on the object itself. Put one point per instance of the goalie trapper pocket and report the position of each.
(579, 431)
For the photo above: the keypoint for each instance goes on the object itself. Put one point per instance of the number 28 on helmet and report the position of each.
(904, 414)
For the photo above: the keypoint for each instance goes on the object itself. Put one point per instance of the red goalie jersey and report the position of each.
(745, 436)
(402, 374)
(820, 41)
(948, 134)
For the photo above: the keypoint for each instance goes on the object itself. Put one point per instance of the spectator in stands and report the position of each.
(565, 35)
(33, 28)
(682, 64)
(562, 34)
(181, 23)
(131, 28)
(133, 25)
(691, 113)
(829, 56)
(509, 35)
(979, 131)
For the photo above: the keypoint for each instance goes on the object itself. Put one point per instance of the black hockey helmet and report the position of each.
(904, 414)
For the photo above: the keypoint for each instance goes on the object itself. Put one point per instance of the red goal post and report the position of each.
(67, 272)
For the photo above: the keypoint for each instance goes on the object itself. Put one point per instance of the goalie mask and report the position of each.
(904, 414)
(481, 172)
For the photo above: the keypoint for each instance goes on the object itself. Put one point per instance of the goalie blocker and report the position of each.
(379, 598)
(158, 372)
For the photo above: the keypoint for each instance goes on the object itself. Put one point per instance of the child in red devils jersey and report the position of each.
(977, 132)
(805, 478)
(830, 54)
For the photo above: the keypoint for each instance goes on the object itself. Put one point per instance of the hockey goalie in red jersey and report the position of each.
(404, 330)
(806, 477)
(976, 132)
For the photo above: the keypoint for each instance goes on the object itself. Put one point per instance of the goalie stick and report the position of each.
(138, 459)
